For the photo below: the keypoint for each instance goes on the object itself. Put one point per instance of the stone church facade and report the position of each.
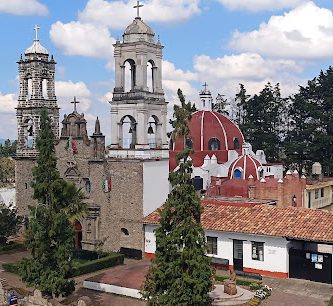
(123, 182)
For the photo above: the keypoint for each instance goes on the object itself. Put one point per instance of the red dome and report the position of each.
(210, 133)
(244, 166)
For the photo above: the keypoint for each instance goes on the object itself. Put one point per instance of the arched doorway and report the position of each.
(78, 235)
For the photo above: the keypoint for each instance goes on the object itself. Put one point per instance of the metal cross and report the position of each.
(205, 85)
(75, 102)
(137, 6)
(36, 28)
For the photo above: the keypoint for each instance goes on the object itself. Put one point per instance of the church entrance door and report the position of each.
(78, 235)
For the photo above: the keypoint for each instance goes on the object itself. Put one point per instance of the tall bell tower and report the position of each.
(138, 107)
(37, 90)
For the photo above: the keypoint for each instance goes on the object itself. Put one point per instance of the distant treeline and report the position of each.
(295, 130)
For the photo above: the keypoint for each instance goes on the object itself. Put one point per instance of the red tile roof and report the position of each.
(291, 222)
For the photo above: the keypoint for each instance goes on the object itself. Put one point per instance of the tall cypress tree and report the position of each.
(180, 274)
(50, 234)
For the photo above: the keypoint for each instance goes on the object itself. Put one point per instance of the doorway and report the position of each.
(78, 235)
(238, 255)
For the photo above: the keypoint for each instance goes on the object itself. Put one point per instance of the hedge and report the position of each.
(239, 281)
(11, 267)
(10, 247)
(88, 255)
(98, 264)
(108, 261)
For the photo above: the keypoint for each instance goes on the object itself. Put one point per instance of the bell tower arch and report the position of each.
(144, 98)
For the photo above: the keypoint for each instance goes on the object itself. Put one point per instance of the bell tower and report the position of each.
(138, 107)
(37, 90)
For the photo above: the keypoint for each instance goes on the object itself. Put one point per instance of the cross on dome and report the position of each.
(137, 6)
(75, 102)
(36, 29)
(205, 85)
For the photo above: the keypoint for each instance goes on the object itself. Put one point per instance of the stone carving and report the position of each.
(35, 300)
(84, 301)
(230, 285)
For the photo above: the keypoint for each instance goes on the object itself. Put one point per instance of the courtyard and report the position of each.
(286, 292)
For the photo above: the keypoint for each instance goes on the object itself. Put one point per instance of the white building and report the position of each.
(280, 242)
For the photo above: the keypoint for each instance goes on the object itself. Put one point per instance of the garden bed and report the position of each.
(84, 262)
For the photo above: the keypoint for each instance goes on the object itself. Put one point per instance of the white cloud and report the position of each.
(305, 32)
(251, 66)
(118, 14)
(224, 74)
(76, 38)
(66, 90)
(23, 7)
(8, 103)
(260, 5)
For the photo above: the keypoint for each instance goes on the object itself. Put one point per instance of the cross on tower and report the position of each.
(137, 6)
(36, 28)
(75, 102)
(205, 85)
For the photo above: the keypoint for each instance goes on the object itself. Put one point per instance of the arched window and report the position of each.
(261, 172)
(238, 174)
(125, 231)
(28, 133)
(150, 75)
(44, 89)
(77, 235)
(128, 126)
(129, 75)
(87, 185)
(236, 144)
(214, 144)
(171, 144)
(189, 143)
(29, 89)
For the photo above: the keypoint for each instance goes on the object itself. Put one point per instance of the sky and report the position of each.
(221, 42)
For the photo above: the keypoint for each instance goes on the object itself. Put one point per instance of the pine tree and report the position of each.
(310, 137)
(262, 121)
(50, 234)
(180, 274)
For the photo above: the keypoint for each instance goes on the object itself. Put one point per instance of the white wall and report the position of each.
(7, 195)
(276, 258)
(155, 184)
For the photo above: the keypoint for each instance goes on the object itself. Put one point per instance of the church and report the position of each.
(122, 183)
(127, 180)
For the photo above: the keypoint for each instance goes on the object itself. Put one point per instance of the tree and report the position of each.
(263, 120)
(180, 274)
(241, 100)
(8, 148)
(7, 169)
(10, 222)
(50, 234)
(310, 137)
(221, 105)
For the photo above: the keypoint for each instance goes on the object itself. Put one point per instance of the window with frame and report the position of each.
(316, 193)
(212, 245)
(258, 251)
(322, 192)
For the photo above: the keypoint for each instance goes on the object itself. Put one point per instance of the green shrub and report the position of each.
(330, 303)
(98, 264)
(240, 281)
(255, 286)
(89, 255)
(11, 267)
(10, 247)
